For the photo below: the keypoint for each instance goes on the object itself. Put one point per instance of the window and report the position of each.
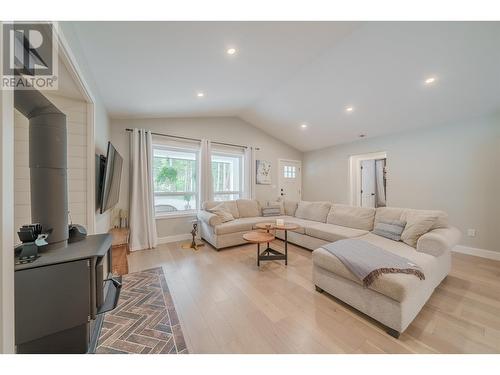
(174, 174)
(227, 176)
(289, 171)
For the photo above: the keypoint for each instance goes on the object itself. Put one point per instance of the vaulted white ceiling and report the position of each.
(288, 73)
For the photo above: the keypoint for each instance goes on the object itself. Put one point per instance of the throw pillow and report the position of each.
(391, 229)
(417, 224)
(277, 206)
(223, 212)
(224, 216)
(271, 211)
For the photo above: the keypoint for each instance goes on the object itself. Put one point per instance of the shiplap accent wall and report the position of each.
(76, 114)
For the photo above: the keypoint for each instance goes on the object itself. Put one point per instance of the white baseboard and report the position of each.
(495, 255)
(174, 238)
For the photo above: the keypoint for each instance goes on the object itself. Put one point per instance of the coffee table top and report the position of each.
(285, 226)
(258, 237)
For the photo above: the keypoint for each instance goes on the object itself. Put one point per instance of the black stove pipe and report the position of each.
(48, 164)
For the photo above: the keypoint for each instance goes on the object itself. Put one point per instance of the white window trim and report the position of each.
(176, 214)
(241, 157)
(179, 193)
(228, 192)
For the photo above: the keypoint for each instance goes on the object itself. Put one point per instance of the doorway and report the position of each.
(373, 183)
(290, 179)
(369, 180)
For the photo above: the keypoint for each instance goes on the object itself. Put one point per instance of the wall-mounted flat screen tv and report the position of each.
(109, 184)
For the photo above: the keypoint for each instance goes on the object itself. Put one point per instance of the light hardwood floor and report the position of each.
(227, 305)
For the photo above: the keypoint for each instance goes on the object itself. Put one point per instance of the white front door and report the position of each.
(290, 179)
(368, 183)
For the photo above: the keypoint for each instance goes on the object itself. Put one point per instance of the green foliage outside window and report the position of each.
(174, 175)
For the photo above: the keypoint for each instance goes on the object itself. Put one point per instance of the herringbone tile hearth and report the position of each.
(145, 320)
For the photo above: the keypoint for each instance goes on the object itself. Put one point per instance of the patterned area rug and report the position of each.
(145, 320)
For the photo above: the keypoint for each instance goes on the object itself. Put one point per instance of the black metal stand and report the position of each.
(272, 254)
(194, 244)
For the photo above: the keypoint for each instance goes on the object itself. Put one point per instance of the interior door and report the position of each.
(368, 183)
(290, 179)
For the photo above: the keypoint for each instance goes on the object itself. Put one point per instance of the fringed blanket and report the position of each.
(368, 261)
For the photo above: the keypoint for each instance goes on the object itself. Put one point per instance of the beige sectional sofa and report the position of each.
(393, 299)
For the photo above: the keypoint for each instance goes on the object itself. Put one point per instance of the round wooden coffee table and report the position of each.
(271, 253)
(258, 238)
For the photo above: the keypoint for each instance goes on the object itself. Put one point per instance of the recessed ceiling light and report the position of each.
(362, 135)
(430, 80)
(349, 109)
(200, 94)
(231, 51)
(303, 126)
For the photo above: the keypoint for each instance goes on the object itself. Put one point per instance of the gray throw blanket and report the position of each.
(368, 261)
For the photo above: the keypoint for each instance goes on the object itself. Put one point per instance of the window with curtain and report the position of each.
(175, 179)
(227, 175)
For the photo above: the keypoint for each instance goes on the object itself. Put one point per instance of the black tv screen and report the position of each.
(112, 174)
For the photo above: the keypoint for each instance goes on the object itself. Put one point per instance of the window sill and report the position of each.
(176, 215)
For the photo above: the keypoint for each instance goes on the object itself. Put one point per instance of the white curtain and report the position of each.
(379, 183)
(205, 180)
(142, 221)
(249, 170)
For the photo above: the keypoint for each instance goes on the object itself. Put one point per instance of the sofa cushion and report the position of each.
(397, 286)
(237, 225)
(244, 224)
(248, 208)
(209, 218)
(332, 232)
(303, 224)
(223, 215)
(315, 211)
(288, 207)
(417, 224)
(222, 211)
(395, 213)
(441, 216)
(388, 214)
(207, 205)
(351, 216)
(229, 206)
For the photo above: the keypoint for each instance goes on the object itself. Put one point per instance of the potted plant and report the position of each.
(187, 199)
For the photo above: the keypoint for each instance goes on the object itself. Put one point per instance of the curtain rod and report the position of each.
(192, 139)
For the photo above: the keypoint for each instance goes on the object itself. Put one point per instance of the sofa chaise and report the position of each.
(393, 299)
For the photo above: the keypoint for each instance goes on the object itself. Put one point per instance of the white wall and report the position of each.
(453, 168)
(101, 119)
(222, 129)
(102, 135)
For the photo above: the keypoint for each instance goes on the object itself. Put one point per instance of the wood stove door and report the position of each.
(51, 299)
